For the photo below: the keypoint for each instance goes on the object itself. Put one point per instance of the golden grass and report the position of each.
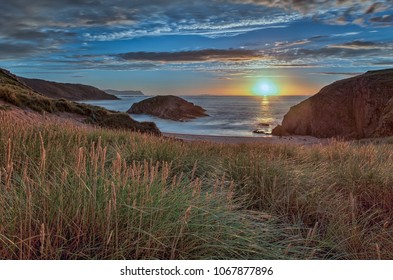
(68, 192)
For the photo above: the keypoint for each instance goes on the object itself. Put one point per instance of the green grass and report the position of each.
(5, 107)
(68, 192)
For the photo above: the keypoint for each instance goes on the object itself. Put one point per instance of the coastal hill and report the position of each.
(124, 92)
(67, 91)
(168, 107)
(354, 108)
(17, 97)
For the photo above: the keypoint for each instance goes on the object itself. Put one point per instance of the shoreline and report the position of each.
(296, 140)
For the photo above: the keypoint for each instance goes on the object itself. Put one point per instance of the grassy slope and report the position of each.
(16, 93)
(74, 193)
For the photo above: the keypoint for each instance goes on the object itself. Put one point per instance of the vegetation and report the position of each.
(69, 192)
(19, 95)
(5, 107)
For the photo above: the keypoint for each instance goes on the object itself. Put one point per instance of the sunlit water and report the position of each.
(228, 116)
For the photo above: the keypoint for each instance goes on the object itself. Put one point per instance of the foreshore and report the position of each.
(296, 140)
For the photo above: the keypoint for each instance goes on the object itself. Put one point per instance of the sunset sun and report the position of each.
(265, 88)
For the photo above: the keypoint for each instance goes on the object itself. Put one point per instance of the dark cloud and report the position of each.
(336, 52)
(16, 50)
(383, 63)
(385, 19)
(194, 56)
(375, 7)
(357, 45)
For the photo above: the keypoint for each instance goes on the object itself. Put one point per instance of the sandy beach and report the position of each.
(296, 140)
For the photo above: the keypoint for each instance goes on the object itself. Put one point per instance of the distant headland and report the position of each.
(124, 92)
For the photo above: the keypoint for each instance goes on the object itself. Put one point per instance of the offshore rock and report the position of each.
(168, 107)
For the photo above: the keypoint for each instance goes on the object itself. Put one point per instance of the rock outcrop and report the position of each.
(354, 108)
(168, 107)
(67, 91)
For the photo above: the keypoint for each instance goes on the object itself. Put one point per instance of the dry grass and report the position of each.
(67, 192)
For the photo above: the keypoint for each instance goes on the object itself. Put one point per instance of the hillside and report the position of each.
(14, 91)
(354, 108)
(67, 91)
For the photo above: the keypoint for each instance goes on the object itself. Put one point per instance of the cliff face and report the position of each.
(358, 107)
(168, 107)
(67, 91)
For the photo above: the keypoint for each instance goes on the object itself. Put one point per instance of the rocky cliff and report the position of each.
(168, 107)
(354, 108)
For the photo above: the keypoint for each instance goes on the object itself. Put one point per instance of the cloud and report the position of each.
(357, 45)
(42, 27)
(375, 7)
(339, 12)
(230, 55)
(383, 63)
(357, 52)
(291, 44)
(295, 65)
(317, 6)
(335, 52)
(384, 20)
(16, 50)
(284, 55)
(123, 19)
(339, 73)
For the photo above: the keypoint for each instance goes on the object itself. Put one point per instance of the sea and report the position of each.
(228, 115)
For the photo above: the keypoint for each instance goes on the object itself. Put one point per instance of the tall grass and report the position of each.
(341, 194)
(69, 192)
(74, 193)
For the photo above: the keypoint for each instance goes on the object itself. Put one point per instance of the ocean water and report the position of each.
(228, 115)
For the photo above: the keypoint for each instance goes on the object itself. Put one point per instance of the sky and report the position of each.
(185, 47)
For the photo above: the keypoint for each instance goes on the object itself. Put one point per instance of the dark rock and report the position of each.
(264, 124)
(279, 131)
(124, 121)
(354, 108)
(260, 131)
(168, 107)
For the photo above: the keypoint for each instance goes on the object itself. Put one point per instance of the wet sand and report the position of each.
(297, 140)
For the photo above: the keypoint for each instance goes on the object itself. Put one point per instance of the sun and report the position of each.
(265, 87)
